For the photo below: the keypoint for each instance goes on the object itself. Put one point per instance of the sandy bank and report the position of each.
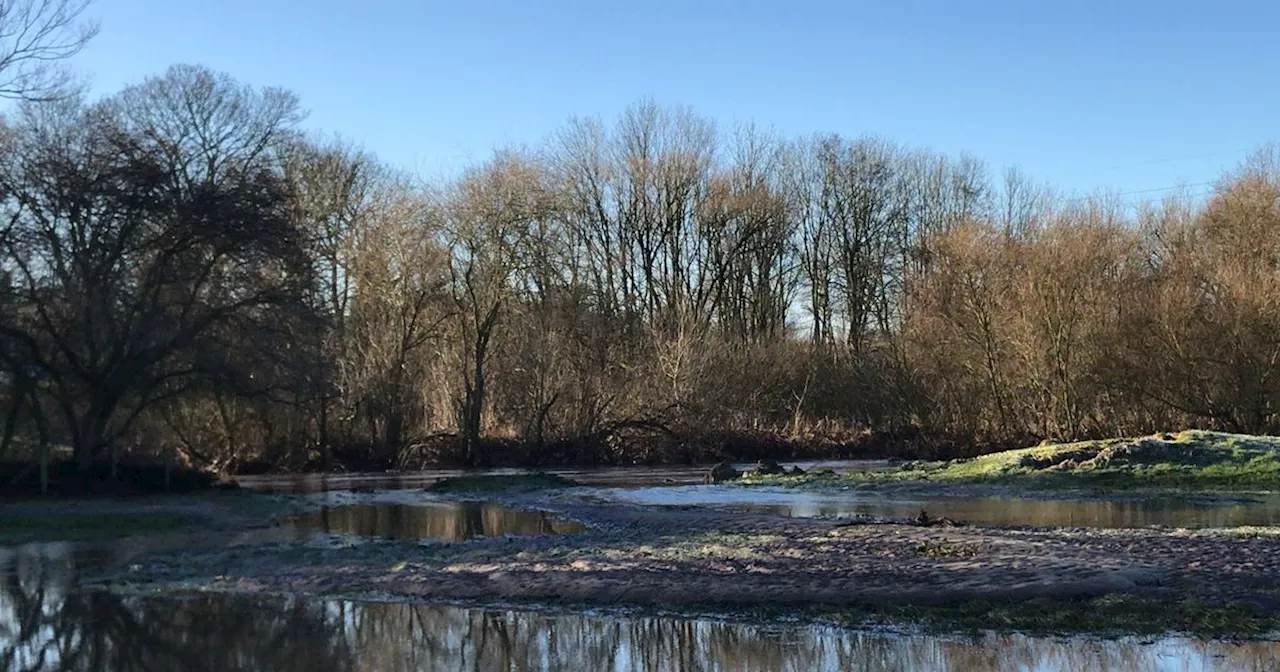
(666, 557)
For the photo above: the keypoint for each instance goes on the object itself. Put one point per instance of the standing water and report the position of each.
(442, 521)
(46, 628)
(681, 486)
(48, 622)
(1081, 512)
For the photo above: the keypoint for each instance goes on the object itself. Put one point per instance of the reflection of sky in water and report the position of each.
(601, 476)
(45, 623)
(1172, 512)
(209, 632)
(679, 485)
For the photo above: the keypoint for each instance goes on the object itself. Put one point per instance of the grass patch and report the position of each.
(1110, 615)
(1188, 460)
(932, 549)
(87, 527)
(491, 483)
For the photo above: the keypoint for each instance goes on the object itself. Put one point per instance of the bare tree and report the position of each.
(1022, 202)
(491, 208)
(36, 36)
(207, 125)
(128, 286)
(400, 306)
(334, 188)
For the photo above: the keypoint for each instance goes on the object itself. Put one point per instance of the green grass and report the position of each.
(945, 550)
(1189, 460)
(536, 481)
(86, 527)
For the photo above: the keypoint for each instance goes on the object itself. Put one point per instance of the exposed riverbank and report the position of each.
(1217, 581)
(1190, 461)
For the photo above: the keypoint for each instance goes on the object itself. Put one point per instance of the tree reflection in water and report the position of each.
(445, 522)
(45, 624)
(419, 637)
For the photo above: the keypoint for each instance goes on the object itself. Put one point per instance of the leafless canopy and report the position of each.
(36, 36)
(185, 272)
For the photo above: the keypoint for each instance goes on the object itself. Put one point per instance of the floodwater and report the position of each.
(603, 476)
(442, 521)
(682, 486)
(48, 622)
(45, 625)
(1167, 511)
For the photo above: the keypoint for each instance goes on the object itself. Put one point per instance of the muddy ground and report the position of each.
(663, 556)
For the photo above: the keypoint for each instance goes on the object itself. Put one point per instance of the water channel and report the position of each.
(47, 622)
(44, 625)
(681, 486)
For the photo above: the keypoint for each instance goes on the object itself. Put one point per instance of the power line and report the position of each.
(1172, 159)
(1139, 192)
(1176, 186)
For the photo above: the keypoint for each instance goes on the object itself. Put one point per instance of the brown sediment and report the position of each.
(670, 557)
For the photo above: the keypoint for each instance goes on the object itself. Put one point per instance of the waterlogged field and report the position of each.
(220, 632)
(657, 572)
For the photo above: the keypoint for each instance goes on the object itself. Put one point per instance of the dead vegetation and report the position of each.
(653, 290)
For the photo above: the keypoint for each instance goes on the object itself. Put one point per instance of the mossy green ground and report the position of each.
(1188, 460)
(87, 527)
(89, 519)
(491, 483)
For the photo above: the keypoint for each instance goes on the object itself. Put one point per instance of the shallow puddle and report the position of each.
(455, 521)
(50, 629)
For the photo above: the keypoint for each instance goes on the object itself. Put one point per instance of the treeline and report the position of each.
(185, 274)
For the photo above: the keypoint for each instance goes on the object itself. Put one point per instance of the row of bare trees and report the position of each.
(185, 273)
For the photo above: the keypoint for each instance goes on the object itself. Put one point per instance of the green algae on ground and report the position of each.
(87, 527)
(91, 519)
(501, 482)
(1190, 459)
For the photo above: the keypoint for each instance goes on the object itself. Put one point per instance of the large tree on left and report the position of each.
(141, 238)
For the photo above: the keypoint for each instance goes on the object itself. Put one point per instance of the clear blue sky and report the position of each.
(1130, 95)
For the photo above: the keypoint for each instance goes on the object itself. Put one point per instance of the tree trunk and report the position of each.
(394, 439)
(87, 442)
(10, 424)
(91, 439)
(44, 467)
(470, 420)
(42, 433)
(472, 412)
(326, 453)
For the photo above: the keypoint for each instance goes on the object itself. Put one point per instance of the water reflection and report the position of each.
(441, 521)
(42, 627)
(1171, 512)
(600, 476)
(676, 485)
